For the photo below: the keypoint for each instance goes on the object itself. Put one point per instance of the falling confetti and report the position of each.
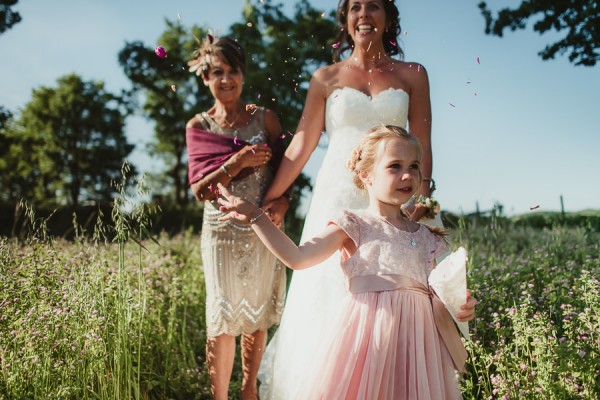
(452, 104)
(296, 89)
(405, 33)
(174, 88)
(468, 81)
(336, 45)
(478, 60)
(160, 51)
(282, 136)
(236, 141)
(419, 68)
(393, 43)
(179, 16)
(250, 107)
(249, 24)
(211, 187)
(534, 207)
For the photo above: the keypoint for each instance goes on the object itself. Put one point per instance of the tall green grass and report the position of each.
(121, 316)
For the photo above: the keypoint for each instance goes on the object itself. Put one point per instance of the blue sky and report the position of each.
(511, 129)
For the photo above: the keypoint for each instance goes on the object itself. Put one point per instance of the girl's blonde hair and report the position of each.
(365, 154)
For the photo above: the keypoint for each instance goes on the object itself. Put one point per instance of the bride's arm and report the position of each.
(303, 143)
(419, 120)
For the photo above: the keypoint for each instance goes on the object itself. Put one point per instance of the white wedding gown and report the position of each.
(315, 293)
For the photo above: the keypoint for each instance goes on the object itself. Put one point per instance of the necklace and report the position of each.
(232, 123)
(375, 63)
(413, 242)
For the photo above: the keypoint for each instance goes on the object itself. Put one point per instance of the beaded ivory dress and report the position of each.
(384, 342)
(314, 293)
(245, 284)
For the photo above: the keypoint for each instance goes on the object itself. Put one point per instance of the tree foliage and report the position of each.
(69, 143)
(8, 17)
(282, 52)
(581, 19)
(171, 97)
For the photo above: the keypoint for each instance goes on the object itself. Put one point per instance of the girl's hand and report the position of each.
(468, 309)
(235, 207)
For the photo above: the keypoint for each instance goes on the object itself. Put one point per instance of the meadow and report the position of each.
(120, 315)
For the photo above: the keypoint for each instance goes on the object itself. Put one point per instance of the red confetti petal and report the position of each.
(336, 45)
(478, 60)
(534, 207)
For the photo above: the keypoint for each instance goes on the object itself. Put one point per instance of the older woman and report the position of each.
(232, 144)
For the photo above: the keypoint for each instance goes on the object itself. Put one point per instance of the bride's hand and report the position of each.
(235, 207)
(416, 212)
(276, 209)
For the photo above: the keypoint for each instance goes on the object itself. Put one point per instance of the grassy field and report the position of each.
(124, 319)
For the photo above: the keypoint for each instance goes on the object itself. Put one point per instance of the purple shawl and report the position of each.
(207, 151)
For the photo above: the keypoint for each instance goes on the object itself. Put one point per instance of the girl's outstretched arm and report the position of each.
(309, 253)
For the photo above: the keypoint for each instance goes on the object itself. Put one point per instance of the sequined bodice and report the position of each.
(252, 187)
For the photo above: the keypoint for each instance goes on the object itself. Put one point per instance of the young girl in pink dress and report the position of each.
(392, 338)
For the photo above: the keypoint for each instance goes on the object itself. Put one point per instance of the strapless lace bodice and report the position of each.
(350, 108)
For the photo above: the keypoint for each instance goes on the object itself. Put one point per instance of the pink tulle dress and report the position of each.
(388, 341)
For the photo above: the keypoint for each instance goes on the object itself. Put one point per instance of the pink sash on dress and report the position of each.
(441, 316)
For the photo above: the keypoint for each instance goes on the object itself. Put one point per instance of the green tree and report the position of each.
(171, 97)
(8, 17)
(581, 19)
(69, 143)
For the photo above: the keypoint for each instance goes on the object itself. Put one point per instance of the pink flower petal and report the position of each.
(336, 45)
(160, 52)
(478, 61)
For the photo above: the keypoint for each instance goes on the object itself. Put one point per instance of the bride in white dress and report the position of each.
(346, 98)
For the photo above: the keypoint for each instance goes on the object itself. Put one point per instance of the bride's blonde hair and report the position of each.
(365, 154)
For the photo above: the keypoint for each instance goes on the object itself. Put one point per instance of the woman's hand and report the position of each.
(276, 209)
(249, 157)
(235, 207)
(468, 309)
(416, 212)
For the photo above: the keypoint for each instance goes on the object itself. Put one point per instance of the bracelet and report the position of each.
(226, 172)
(253, 220)
(431, 184)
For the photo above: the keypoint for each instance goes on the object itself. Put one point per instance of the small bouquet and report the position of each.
(431, 204)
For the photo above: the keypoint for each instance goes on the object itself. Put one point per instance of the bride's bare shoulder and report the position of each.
(328, 77)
